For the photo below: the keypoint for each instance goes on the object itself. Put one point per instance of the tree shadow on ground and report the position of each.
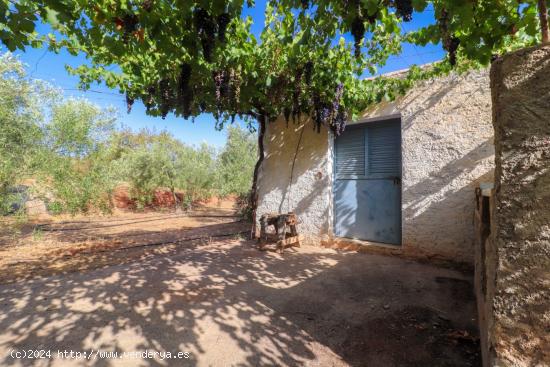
(227, 303)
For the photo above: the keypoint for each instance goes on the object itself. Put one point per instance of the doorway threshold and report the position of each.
(351, 244)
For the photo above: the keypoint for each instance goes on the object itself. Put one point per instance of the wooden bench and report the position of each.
(281, 222)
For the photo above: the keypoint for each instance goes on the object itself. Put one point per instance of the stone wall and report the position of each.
(447, 150)
(518, 260)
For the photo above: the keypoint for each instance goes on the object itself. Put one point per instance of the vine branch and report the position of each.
(543, 16)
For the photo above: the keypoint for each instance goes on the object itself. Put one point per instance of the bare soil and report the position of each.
(50, 245)
(163, 282)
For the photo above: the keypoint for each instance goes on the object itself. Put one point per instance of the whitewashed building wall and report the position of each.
(447, 149)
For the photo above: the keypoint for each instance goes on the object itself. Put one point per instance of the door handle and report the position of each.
(397, 180)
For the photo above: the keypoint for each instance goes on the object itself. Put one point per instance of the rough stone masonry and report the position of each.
(519, 293)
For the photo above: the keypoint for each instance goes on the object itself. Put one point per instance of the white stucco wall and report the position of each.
(447, 149)
(310, 195)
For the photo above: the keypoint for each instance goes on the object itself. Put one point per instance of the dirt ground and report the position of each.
(49, 245)
(226, 303)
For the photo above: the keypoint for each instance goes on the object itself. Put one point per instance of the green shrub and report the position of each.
(77, 157)
(74, 152)
(54, 207)
(21, 112)
(236, 162)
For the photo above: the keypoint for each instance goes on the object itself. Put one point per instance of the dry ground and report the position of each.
(63, 244)
(226, 303)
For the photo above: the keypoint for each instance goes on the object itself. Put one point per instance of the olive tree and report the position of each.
(22, 104)
(73, 164)
(236, 161)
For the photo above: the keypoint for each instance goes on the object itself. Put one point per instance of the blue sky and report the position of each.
(51, 67)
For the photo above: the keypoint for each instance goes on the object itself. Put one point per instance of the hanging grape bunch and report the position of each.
(450, 42)
(221, 88)
(236, 81)
(296, 107)
(150, 98)
(218, 81)
(358, 31)
(223, 21)
(202, 106)
(339, 123)
(147, 5)
(339, 114)
(320, 111)
(206, 29)
(308, 72)
(404, 9)
(165, 96)
(225, 86)
(336, 125)
(185, 93)
(333, 114)
(451, 45)
(231, 87)
(129, 103)
(130, 22)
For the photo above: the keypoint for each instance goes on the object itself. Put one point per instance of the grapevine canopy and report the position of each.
(200, 56)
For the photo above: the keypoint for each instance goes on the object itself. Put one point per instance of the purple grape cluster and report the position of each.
(404, 9)
(129, 103)
(296, 108)
(308, 72)
(332, 114)
(185, 93)
(337, 96)
(358, 31)
(218, 82)
(450, 42)
(165, 97)
(208, 26)
(147, 5)
(223, 21)
(150, 97)
(451, 45)
(339, 123)
(130, 23)
(206, 29)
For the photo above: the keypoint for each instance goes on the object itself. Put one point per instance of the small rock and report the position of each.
(386, 307)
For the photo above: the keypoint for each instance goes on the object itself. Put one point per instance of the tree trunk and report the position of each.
(543, 16)
(254, 191)
(173, 190)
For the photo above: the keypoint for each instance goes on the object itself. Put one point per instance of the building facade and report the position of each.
(403, 176)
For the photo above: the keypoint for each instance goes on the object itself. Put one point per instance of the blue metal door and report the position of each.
(367, 182)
